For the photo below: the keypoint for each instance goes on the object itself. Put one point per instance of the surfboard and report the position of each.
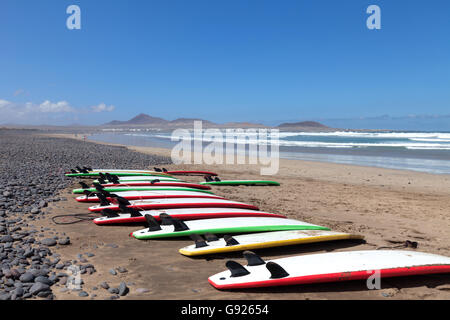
(177, 203)
(183, 214)
(149, 188)
(134, 172)
(144, 178)
(117, 173)
(174, 172)
(327, 267)
(241, 183)
(223, 226)
(153, 183)
(263, 240)
(141, 195)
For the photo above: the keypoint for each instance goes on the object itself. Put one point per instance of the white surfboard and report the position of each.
(142, 195)
(172, 203)
(185, 214)
(263, 240)
(145, 178)
(152, 183)
(226, 225)
(328, 267)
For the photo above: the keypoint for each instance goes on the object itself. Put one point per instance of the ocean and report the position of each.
(417, 151)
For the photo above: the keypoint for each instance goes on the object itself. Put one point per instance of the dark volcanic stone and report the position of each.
(27, 277)
(83, 294)
(123, 289)
(64, 242)
(39, 287)
(48, 242)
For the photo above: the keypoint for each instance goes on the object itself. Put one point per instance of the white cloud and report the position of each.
(102, 107)
(61, 106)
(45, 112)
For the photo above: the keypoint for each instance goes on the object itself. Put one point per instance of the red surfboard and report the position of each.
(177, 203)
(186, 214)
(157, 184)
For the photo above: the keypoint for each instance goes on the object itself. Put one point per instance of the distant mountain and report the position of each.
(140, 119)
(146, 120)
(189, 121)
(303, 124)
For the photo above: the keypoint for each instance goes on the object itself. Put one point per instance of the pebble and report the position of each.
(39, 287)
(64, 242)
(123, 289)
(113, 290)
(31, 178)
(83, 294)
(27, 277)
(48, 242)
(121, 269)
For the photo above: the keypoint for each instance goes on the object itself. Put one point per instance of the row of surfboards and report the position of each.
(171, 207)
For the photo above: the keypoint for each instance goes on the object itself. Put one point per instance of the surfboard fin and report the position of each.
(411, 244)
(229, 240)
(111, 178)
(132, 211)
(276, 271)
(101, 175)
(253, 259)
(122, 201)
(87, 193)
(165, 219)
(105, 193)
(73, 171)
(236, 269)
(87, 168)
(153, 225)
(101, 181)
(199, 241)
(179, 225)
(210, 237)
(217, 179)
(157, 169)
(103, 200)
(114, 178)
(109, 213)
(164, 169)
(154, 181)
(81, 170)
(83, 185)
(97, 186)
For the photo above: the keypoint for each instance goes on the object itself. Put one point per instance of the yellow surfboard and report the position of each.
(211, 244)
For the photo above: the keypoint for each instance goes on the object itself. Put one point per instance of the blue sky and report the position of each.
(263, 61)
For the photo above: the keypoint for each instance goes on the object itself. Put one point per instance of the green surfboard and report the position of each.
(131, 188)
(225, 226)
(119, 174)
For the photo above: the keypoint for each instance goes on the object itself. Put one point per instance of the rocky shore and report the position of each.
(31, 176)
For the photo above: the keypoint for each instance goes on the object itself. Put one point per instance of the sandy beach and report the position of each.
(387, 207)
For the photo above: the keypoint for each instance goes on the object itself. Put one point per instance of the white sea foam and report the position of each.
(338, 139)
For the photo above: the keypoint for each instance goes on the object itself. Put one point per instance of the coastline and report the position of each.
(386, 206)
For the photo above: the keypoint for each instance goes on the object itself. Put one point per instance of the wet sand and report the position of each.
(386, 206)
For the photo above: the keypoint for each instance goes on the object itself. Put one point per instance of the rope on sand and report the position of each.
(79, 217)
